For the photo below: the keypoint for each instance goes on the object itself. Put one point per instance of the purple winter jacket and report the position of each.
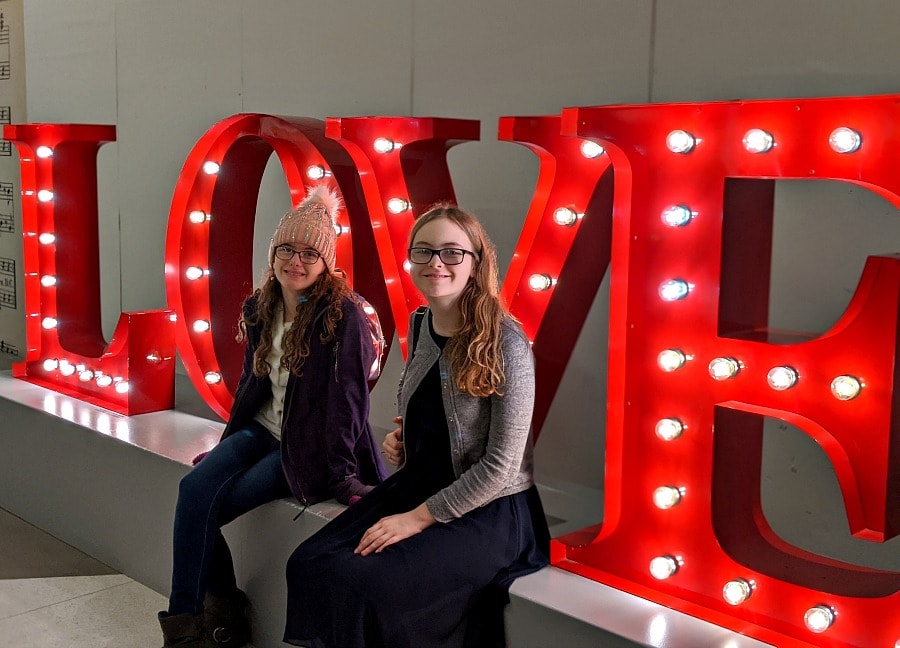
(327, 446)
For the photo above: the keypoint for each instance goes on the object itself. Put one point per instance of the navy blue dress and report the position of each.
(444, 587)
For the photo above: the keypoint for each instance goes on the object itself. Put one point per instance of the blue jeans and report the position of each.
(239, 474)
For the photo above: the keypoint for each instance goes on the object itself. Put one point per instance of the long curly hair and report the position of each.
(474, 351)
(329, 287)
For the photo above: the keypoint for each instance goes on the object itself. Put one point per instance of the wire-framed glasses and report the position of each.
(286, 253)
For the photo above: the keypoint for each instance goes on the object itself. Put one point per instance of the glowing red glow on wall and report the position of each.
(67, 352)
(715, 398)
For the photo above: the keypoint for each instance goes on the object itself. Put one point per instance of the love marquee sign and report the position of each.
(675, 201)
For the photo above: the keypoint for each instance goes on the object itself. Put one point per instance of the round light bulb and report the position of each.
(104, 381)
(844, 140)
(193, 273)
(591, 150)
(397, 205)
(669, 429)
(781, 378)
(315, 172)
(679, 141)
(85, 375)
(383, 145)
(48, 281)
(122, 387)
(50, 364)
(845, 387)
(49, 322)
(210, 167)
(45, 195)
(66, 368)
(819, 618)
(407, 265)
(200, 326)
(736, 591)
(670, 360)
(539, 282)
(757, 140)
(674, 289)
(662, 567)
(677, 215)
(44, 151)
(213, 377)
(197, 217)
(47, 238)
(565, 216)
(724, 368)
(665, 497)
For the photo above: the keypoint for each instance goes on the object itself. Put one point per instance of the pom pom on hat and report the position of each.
(311, 224)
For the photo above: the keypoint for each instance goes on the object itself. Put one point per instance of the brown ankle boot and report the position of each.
(182, 630)
(225, 620)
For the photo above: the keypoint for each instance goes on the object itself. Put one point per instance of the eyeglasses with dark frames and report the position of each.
(448, 256)
(286, 253)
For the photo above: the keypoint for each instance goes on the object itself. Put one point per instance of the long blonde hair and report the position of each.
(328, 286)
(474, 351)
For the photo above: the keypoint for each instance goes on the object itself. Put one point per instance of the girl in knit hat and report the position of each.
(299, 423)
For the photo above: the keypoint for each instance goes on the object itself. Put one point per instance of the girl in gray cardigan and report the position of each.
(426, 559)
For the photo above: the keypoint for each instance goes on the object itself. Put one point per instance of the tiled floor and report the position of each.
(54, 596)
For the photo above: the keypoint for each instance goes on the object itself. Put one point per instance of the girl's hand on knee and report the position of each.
(394, 528)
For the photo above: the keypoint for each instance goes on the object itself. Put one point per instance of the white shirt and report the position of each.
(271, 413)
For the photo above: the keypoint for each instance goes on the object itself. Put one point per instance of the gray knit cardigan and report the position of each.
(490, 438)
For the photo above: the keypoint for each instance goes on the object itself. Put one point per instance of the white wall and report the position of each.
(164, 71)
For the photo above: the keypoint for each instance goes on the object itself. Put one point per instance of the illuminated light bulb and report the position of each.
(845, 387)
(45, 195)
(85, 375)
(193, 273)
(662, 567)
(154, 358)
(173, 317)
(677, 215)
(724, 368)
(591, 150)
(213, 377)
(539, 282)
(122, 387)
(48, 280)
(341, 229)
(210, 167)
(781, 378)
(670, 360)
(407, 265)
(49, 322)
(674, 289)
(819, 618)
(669, 429)
(50, 364)
(66, 368)
(397, 205)
(200, 326)
(757, 140)
(104, 381)
(315, 172)
(844, 140)
(368, 309)
(44, 151)
(197, 217)
(679, 141)
(46, 238)
(737, 591)
(665, 497)
(565, 216)
(384, 145)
